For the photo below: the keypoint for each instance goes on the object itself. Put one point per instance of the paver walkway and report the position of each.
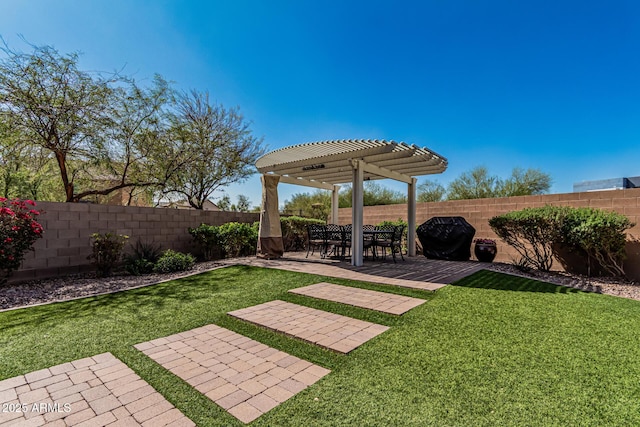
(373, 300)
(241, 375)
(95, 391)
(333, 331)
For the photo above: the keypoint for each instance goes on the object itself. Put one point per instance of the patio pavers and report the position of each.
(241, 375)
(415, 272)
(333, 331)
(95, 391)
(373, 300)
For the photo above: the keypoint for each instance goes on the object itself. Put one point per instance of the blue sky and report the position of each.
(553, 85)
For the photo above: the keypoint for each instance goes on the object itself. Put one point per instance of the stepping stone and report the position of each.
(339, 333)
(96, 391)
(378, 301)
(241, 375)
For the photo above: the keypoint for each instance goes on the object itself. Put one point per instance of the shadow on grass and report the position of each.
(505, 282)
(139, 302)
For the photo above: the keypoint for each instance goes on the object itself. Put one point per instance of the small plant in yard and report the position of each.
(171, 261)
(239, 239)
(208, 238)
(107, 250)
(142, 259)
(18, 232)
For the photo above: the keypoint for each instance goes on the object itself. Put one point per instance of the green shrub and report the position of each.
(107, 250)
(239, 239)
(171, 261)
(536, 233)
(142, 259)
(208, 238)
(294, 231)
(532, 232)
(599, 234)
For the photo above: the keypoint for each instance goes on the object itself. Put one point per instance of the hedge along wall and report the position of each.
(478, 212)
(68, 227)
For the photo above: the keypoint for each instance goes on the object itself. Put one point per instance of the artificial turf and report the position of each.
(490, 350)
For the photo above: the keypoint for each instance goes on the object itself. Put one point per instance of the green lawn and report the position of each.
(490, 350)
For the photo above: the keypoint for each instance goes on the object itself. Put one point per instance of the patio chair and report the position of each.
(335, 238)
(393, 241)
(317, 238)
(369, 240)
(383, 239)
(346, 239)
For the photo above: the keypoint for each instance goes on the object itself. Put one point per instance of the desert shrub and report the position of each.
(208, 238)
(532, 232)
(142, 259)
(106, 251)
(536, 233)
(239, 239)
(171, 261)
(18, 232)
(599, 234)
(294, 231)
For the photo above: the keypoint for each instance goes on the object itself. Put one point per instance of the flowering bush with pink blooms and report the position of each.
(18, 232)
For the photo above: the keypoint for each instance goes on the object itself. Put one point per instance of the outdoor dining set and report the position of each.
(335, 240)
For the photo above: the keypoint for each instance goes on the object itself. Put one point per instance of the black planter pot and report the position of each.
(485, 252)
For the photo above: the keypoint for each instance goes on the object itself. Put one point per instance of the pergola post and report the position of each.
(357, 201)
(411, 217)
(334, 204)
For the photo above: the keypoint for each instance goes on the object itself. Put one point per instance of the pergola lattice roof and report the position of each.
(330, 161)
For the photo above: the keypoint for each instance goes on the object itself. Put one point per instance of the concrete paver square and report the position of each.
(339, 333)
(84, 392)
(373, 300)
(241, 375)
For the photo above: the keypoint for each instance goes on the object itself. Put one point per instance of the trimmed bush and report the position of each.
(107, 250)
(171, 261)
(536, 233)
(532, 232)
(239, 239)
(208, 238)
(228, 240)
(599, 234)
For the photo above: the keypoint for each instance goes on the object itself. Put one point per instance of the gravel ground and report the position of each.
(602, 285)
(83, 285)
(77, 286)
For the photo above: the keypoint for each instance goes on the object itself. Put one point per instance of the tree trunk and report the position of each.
(61, 157)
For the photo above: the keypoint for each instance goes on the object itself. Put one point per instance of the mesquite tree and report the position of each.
(217, 144)
(49, 100)
(104, 133)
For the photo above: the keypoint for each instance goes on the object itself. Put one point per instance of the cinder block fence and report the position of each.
(478, 212)
(68, 227)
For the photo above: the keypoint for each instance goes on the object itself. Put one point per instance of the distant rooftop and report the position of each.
(607, 184)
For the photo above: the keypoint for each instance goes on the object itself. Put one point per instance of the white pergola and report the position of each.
(329, 163)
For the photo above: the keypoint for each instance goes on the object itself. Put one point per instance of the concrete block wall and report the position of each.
(478, 212)
(68, 227)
